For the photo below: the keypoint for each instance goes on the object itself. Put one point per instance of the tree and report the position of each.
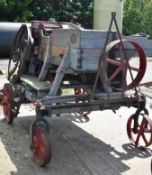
(77, 11)
(14, 10)
(132, 21)
(41, 10)
(147, 20)
(137, 16)
(132, 16)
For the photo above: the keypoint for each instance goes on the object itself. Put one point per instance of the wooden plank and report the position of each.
(74, 57)
(89, 43)
(35, 83)
(66, 37)
(93, 34)
(89, 59)
(57, 52)
(94, 39)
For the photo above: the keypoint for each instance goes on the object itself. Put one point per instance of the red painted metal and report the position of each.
(79, 91)
(40, 145)
(143, 136)
(121, 63)
(7, 101)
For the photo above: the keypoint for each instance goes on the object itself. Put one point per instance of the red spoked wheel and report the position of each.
(143, 135)
(41, 145)
(41, 123)
(125, 61)
(81, 91)
(8, 104)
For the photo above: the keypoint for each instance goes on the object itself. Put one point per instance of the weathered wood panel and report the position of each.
(66, 37)
(85, 60)
(92, 34)
(85, 48)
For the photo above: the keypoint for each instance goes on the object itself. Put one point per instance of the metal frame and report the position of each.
(47, 97)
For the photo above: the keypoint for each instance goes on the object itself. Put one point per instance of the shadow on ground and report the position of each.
(74, 150)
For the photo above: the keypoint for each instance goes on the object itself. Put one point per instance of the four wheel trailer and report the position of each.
(100, 69)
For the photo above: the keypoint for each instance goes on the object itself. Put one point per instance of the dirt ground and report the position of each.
(97, 146)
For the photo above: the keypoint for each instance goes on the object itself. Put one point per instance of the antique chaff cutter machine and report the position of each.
(100, 69)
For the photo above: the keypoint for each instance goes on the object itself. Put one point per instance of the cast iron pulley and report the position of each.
(142, 135)
(124, 64)
(8, 103)
(20, 51)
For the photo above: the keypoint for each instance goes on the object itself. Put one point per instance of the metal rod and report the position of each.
(102, 56)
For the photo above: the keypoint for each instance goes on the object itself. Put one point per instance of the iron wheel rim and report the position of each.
(143, 129)
(40, 145)
(7, 102)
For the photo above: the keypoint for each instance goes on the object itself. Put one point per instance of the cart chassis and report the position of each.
(47, 100)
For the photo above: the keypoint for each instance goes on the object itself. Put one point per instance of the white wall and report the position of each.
(102, 13)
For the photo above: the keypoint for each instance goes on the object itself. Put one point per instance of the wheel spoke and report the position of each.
(138, 138)
(41, 154)
(113, 62)
(38, 145)
(144, 138)
(135, 69)
(146, 130)
(35, 145)
(143, 123)
(114, 75)
(141, 132)
(143, 129)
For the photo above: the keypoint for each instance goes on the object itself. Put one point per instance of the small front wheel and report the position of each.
(41, 145)
(8, 103)
(142, 135)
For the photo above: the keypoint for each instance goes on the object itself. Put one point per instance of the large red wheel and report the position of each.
(40, 145)
(125, 62)
(143, 135)
(8, 104)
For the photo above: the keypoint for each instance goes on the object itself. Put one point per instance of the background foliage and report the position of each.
(137, 13)
(137, 16)
(14, 10)
(77, 11)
